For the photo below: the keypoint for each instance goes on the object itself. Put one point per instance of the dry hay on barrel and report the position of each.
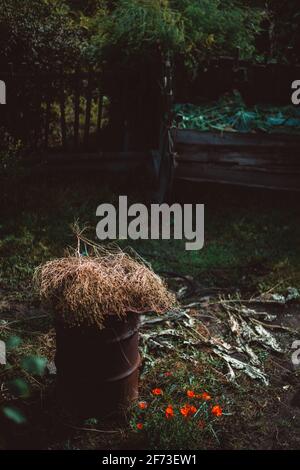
(83, 290)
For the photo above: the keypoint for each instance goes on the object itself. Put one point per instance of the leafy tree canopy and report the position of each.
(195, 29)
(39, 31)
(52, 31)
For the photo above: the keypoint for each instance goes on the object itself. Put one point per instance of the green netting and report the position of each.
(231, 114)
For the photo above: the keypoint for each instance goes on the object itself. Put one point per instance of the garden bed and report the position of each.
(266, 161)
(226, 142)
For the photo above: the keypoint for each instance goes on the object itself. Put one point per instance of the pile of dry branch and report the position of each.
(83, 290)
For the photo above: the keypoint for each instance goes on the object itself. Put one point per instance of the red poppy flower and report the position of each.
(217, 410)
(205, 396)
(140, 426)
(157, 391)
(143, 405)
(190, 394)
(184, 411)
(169, 412)
(188, 410)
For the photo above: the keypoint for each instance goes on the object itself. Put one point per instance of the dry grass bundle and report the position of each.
(83, 290)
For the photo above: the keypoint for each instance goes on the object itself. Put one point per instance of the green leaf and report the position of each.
(35, 365)
(91, 421)
(19, 387)
(13, 342)
(14, 415)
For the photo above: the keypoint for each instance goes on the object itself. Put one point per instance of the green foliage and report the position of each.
(13, 342)
(19, 387)
(14, 415)
(193, 29)
(86, 7)
(215, 27)
(39, 31)
(231, 113)
(35, 365)
(285, 29)
(49, 32)
(136, 27)
(181, 416)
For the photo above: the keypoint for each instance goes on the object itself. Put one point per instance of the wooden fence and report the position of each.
(118, 121)
(82, 108)
(86, 108)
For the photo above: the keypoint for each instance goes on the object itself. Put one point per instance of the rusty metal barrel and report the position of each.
(97, 370)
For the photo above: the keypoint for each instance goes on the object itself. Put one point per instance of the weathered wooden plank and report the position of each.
(239, 158)
(108, 162)
(248, 160)
(114, 167)
(239, 176)
(235, 139)
(280, 169)
(273, 152)
(85, 158)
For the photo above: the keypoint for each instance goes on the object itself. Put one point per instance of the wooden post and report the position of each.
(24, 122)
(47, 116)
(100, 111)
(76, 108)
(88, 108)
(10, 99)
(63, 110)
(38, 107)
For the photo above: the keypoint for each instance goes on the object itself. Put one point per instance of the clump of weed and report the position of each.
(84, 290)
